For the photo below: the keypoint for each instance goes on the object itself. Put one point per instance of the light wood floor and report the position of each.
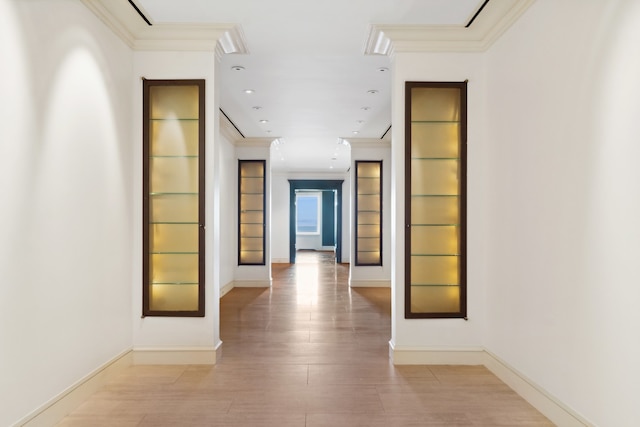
(307, 352)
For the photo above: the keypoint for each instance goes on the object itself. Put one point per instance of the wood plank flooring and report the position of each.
(309, 352)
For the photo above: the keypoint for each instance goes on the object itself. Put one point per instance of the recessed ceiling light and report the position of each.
(359, 121)
(383, 69)
(355, 132)
(257, 107)
(366, 108)
(249, 91)
(372, 92)
(268, 131)
(237, 68)
(264, 121)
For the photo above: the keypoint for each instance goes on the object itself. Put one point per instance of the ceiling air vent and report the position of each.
(142, 14)
(476, 14)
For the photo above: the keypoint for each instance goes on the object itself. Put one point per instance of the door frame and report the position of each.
(314, 184)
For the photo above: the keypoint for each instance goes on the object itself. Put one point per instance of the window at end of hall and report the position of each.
(308, 213)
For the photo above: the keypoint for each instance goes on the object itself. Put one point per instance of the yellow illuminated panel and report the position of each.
(434, 231)
(251, 185)
(368, 213)
(174, 132)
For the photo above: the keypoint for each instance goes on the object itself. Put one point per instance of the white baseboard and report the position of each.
(435, 356)
(175, 356)
(252, 284)
(279, 260)
(226, 288)
(57, 408)
(537, 396)
(370, 283)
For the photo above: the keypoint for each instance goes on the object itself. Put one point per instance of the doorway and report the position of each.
(297, 185)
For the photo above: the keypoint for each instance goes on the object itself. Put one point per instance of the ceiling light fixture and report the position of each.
(372, 92)
(237, 68)
(366, 108)
(359, 121)
(249, 91)
(264, 121)
(257, 107)
(383, 69)
(355, 132)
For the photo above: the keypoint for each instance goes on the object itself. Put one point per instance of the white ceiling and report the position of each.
(308, 68)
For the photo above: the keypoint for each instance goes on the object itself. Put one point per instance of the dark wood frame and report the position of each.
(147, 84)
(357, 211)
(264, 209)
(463, 199)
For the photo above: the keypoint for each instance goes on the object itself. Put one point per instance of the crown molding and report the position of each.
(368, 142)
(125, 22)
(494, 20)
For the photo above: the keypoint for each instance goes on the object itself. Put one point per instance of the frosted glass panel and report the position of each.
(368, 218)
(174, 268)
(251, 185)
(251, 218)
(251, 202)
(174, 237)
(368, 245)
(434, 210)
(369, 169)
(173, 297)
(434, 240)
(369, 258)
(435, 299)
(251, 230)
(250, 244)
(369, 203)
(436, 140)
(437, 177)
(368, 230)
(434, 270)
(249, 257)
(252, 169)
(174, 102)
(174, 208)
(435, 104)
(174, 138)
(174, 175)
(368, 186)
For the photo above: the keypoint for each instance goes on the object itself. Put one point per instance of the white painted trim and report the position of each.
(57, 408)
(370, 283)
(280, 261)
(125, 22)
(226, 289)
(552, 408)
(252, 283)
(494, 20)
(436, 356)
(175, 356)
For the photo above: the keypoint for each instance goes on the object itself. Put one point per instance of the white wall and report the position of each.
(65, 215)
(227, 176)
(563, 301)
(439, 334)
(178, 332)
